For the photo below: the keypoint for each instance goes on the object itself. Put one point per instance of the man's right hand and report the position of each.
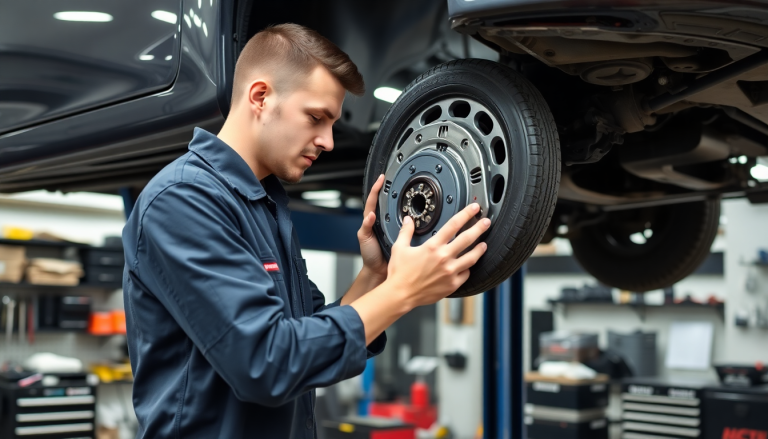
(422, 275)
(437, 268)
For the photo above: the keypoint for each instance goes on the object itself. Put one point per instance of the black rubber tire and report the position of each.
(681, 240)
(533, 151)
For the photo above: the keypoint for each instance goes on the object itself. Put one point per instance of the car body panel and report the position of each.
(144, 129)
(73, 66)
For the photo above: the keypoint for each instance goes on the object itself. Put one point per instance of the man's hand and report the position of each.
(422, 275)
(373, 259)
(437, 268)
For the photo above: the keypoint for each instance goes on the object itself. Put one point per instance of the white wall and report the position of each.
(747, 231)
(602, 317)
(461, 391)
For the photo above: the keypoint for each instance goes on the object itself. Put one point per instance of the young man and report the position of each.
(227, 335)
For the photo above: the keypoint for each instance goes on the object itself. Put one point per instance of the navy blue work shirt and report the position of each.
(227, 336)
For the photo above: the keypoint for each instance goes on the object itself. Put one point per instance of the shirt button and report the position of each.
(310, 423)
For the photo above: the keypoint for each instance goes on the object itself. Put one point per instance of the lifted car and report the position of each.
(624, 123)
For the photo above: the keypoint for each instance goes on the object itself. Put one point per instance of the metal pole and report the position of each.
(503, 396)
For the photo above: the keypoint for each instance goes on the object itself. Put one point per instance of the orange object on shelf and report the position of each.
(118, 321)
(100, 323)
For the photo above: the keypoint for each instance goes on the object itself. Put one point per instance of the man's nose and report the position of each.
(325, 141)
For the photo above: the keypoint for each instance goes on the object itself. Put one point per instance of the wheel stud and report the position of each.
(438, 168)
(418, 138)
(412, 169)
(449, 199)
(394, 194)
(400, 157)
(464, 144)
(386, 217)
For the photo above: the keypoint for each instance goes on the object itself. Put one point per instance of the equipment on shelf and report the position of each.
(652, 407)
(563, 408)
(52, 405)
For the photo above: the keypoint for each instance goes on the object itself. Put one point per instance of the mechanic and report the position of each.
(227, 335)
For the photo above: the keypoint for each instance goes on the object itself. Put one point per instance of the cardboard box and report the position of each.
(12, 263)
(44, 271)
(12, 252)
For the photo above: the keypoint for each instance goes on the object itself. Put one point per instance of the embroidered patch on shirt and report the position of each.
(271, 266)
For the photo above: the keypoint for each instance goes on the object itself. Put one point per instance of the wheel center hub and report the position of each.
(421, 201)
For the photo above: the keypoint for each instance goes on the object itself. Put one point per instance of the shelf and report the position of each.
(641, 308)
(83, 286)
(42, 243)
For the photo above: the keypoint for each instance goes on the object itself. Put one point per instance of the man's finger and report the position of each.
(471, 257)
(452, 227)
(370, 203)
(469, 236)
(406, 232)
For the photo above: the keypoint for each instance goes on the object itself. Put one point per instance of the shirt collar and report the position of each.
(228, 163)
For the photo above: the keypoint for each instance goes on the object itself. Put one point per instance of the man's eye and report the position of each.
(314, 118)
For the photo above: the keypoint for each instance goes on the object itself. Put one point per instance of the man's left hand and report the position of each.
(373, 259)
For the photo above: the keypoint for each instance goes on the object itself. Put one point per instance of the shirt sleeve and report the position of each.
(318, 304)
(193, 258)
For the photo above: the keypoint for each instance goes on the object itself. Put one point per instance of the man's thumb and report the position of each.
(406, 232)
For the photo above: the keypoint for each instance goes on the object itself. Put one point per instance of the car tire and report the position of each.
(471, 130)
(620, 252)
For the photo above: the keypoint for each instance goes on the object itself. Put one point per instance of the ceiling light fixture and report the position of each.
(168, 17)
(387, 94)
(146, 57)
(89, 16)
(759, 172)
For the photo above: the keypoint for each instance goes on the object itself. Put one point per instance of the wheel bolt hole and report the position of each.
(459, 109)
(483, 122)
(499, 150)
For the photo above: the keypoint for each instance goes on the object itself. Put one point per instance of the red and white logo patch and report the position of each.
(271, 266)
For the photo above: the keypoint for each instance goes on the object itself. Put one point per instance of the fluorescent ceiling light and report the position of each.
(168, 17)
(169, 57)
(387, 94)
(97, 17)
(321, 195)
(759, 172)
(205, 29)
(146, 57)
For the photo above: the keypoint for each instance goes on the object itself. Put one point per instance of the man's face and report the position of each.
(297, 127)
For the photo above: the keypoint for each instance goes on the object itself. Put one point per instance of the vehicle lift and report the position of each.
(503, 389)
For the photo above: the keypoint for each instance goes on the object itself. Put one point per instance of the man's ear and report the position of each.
(257, 93)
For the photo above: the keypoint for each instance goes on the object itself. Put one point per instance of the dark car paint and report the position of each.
(160, 122)
(126, 143)
(54, 68)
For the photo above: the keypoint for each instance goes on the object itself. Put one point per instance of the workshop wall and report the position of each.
(747, 284)
(744, 226)
(461, 391)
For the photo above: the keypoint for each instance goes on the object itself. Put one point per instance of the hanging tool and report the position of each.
(22, 320)
(10, 304)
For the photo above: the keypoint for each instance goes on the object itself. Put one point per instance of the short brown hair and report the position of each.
(290, 52)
